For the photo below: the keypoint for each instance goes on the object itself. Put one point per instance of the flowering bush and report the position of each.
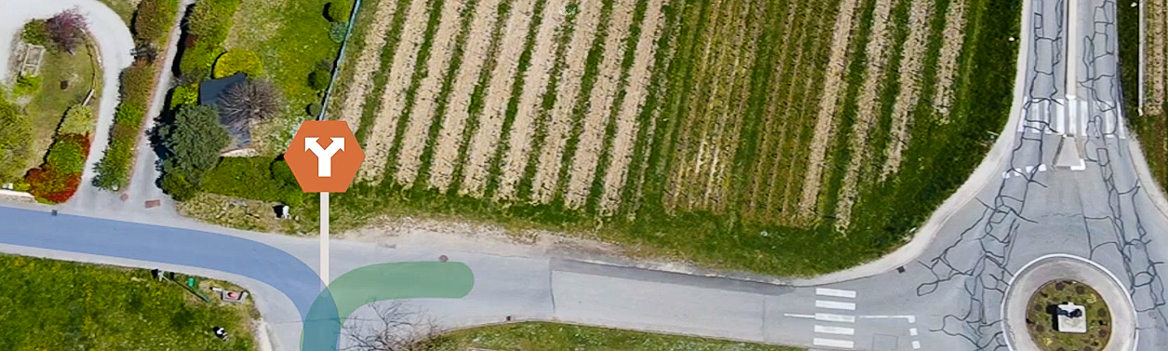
(57, 180)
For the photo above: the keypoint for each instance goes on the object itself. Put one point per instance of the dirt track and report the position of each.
(450, 137)
(866, 115)
(529, 105)
(426, 100)
(583, 167)
(1155, 60)
(825, 121)
(486, 138)
(920, 13)
(559, 123)
(637, 89)
(368, 62)
(951, 38)
(393, 100)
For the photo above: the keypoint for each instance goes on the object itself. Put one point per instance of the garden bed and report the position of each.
(1041, 322)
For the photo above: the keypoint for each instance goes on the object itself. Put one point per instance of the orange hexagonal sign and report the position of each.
(324, 156)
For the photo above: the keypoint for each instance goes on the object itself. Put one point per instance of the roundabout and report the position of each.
(1067, 303)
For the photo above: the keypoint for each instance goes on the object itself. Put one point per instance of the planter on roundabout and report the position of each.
(1067, 303)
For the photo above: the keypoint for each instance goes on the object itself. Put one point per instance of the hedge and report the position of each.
(153, 20)
(258, 178)
(15, 142)
(235, 61)
(67, 154)
(78, 120)
(207, 28)
(137, 83)
(57, 179)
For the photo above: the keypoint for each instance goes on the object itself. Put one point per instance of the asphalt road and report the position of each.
(947, 298)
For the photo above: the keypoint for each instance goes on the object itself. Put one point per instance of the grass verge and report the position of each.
(539, 336)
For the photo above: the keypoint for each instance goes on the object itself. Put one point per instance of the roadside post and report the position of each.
(324, 156)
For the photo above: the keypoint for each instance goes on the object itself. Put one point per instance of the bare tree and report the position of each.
(394, 328)
(253, 100)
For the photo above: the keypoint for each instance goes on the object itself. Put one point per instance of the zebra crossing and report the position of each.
(1071, 117)
(838, 335)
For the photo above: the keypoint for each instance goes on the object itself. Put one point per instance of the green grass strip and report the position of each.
(478, 97)
(422, 179)
(880, 135)
(548, 102)
(373, 99)
(421, 69)
(583, 99)
(496, 166)
(596, 189)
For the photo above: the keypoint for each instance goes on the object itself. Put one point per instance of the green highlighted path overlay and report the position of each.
(379, 282)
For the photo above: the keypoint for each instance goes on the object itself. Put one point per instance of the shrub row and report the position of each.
(137, 84)
(57, 179)
(259, 178)
(207, 28)
(15, 142)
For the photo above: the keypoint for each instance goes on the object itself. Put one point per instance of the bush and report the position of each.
(210, 20)
(193, 143)
(52, 186)
(67, 29)
(35, 33)
(256, 178)
(129, 114)
(314, 109)
(78, 120)
(113, 171)
(15, 142)
(337, 31)
(236, 61)
(319, 79)
(338, 11)
(27, 85)
(153, 20)
(184, 95)
(178, 187)
(67, 154)
(196, 61)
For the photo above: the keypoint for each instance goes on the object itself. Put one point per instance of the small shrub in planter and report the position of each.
(337, 31)
(236, 61)
(35, 33)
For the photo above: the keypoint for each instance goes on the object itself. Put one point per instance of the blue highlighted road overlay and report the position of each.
(322, 311)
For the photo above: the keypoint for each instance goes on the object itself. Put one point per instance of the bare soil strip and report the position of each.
(560, 120)
(529, 103)
(951, 39)
(422, 115)
(825, 120)
(636, 92)
(450, 138)
(599, 104)
(867, 110)
(367, 63)
(393, 101)
(1155, 61)
(920, 14)
(486, 138)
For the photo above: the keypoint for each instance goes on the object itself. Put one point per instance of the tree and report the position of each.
(67, 29)
(254, 100)
(193, 143)
(338, 11)
(394, 328)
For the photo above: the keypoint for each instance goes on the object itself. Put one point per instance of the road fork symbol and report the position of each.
(324, 156)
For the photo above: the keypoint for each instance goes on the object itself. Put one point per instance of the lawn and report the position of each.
(538, 336)
(48, 106)
(55, 305)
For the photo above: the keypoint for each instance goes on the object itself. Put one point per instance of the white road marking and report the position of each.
(835, 305)
(1042, 167)
(911, 319)
(843, 344)
(1072, 120)
(1082, 166)
(1060, 118)
(808, 316)
(835, 292)
(916, 344)
(834, 330)
(841, 318)
(1046, 117)
(912, 331)
(1081, 114)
